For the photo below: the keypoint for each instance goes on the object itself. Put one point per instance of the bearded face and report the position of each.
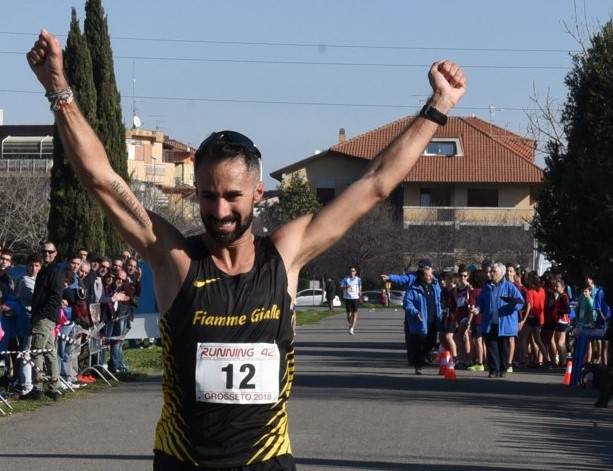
(227, 194)
(227, 229)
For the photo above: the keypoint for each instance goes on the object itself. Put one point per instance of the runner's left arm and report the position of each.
(305, 238)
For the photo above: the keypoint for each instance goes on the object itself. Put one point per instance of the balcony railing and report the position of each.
(156, 169)
(462, 215)
(10, 166)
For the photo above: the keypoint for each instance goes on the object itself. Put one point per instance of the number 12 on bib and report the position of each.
(237, 373)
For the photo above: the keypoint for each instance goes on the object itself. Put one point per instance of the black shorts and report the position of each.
(475, 331)
(351, 305)
(448, 324)
(164, 462)
(533, 322)
(550, 326)
(561, 327)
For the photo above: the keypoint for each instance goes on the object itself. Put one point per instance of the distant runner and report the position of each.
(352, 291)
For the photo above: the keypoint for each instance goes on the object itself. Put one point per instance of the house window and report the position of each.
(135, 150)
(325, 195)
(446, 148)
(437, 196)
(482, 198)
(425, 197)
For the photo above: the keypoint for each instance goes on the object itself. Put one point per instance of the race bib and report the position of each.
(237, 373)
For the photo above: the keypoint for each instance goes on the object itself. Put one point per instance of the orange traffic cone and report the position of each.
(450, 372)
(568, 373)
(445, 356)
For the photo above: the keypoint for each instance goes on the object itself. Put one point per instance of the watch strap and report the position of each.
(434, 115)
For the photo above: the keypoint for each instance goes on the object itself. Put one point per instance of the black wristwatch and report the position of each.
(431, 113)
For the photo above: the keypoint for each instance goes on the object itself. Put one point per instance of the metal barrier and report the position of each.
(95, 343)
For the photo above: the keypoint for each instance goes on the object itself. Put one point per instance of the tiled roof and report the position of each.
(490, 153)
(178, 145)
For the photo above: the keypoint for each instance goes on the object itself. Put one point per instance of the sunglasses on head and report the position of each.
(231, 138)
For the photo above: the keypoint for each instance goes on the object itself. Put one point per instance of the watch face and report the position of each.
(431, 113)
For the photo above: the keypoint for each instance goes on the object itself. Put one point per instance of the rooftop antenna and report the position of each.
(136, 121)
(492, 109)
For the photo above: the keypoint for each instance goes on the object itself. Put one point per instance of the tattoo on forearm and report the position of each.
(131, 204)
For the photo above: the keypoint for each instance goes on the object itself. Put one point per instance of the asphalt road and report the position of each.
(355, 406)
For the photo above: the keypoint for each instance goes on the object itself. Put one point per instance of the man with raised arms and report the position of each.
(229, 411)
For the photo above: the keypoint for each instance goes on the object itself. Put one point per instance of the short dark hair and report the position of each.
(34, 259)
(424, 263)
(478, 278)
(532, 280)
(225, 145)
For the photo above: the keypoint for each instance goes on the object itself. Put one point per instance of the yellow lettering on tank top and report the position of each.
(260, 314)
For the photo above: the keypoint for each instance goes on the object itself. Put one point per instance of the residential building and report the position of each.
(161, 169)
(26, 149)
(146, 158)
(472, 174)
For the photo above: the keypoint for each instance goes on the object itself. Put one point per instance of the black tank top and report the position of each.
(228, 362)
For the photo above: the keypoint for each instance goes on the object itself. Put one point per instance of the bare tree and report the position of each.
(24, 210)
(374, 245)
(544, 122)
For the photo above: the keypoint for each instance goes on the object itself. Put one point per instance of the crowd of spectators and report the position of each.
(48, 315)
(501, 317)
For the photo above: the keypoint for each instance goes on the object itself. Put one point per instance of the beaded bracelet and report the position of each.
(60, 99)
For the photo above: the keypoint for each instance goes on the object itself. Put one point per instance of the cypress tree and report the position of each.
(109, 124)
(574, 219)
(75, 219)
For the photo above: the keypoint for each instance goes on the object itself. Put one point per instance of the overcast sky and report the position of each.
(259, 67)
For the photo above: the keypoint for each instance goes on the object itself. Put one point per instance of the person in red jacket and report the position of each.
(533, 321)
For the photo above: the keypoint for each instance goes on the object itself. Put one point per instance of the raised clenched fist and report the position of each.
(45, 59)
(448, 84)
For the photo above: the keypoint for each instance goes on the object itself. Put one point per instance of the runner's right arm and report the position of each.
(155, 239)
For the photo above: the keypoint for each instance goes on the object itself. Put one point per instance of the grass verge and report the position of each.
(313, 316)
(147, 361)
(20, 406)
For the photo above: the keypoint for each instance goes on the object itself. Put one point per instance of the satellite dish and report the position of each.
(136, 122)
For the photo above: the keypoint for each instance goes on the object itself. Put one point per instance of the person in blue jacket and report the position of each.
(499, 304)
(422, 310)
(603, 315)
(407, 279)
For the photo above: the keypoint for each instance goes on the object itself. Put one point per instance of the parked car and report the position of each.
(373, 297)
(314, 297)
